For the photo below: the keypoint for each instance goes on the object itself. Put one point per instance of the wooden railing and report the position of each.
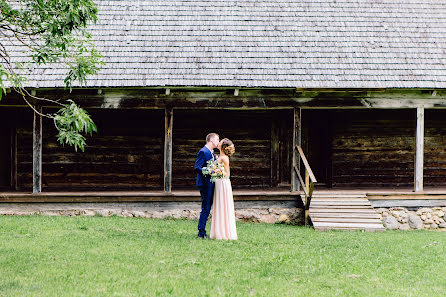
(308, 185)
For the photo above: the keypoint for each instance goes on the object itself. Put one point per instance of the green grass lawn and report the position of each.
(114, 256)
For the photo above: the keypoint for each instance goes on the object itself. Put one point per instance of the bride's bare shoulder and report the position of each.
(225, 159)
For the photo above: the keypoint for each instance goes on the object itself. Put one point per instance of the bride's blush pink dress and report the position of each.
(223, 215)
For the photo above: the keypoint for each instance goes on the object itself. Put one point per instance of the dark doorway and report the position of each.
(5, 159)
(5, 149)
(317, 143)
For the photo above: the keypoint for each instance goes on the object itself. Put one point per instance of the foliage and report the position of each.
(71, 119)
(115, 256)
(51, 31)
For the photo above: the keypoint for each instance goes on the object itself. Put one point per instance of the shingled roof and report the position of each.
(266, 43)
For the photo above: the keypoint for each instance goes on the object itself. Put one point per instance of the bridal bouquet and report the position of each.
(214, 170)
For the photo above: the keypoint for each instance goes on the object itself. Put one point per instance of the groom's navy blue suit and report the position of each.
(205, 186)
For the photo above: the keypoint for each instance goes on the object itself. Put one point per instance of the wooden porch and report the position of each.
(430, 195)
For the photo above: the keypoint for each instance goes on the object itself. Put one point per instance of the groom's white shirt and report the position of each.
(212, 151)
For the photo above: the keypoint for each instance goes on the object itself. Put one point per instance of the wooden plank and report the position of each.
(336, 199)
(341, 206)
(348, 225)
(341, 210)
(297, 139)
(339, 203)
(350, 229)
(130, 197)
(306, 164)
(409, 203)
(274, 152)
(345, 215)
(37, 151)
(418, 174)
(168, 150)
(347, 220)
(299, 176)
(407, 197)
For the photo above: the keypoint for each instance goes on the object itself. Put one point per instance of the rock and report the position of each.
(102, 212)
(429, 215)
(391, 223)
(429, 221)
(283, 218)
(139, 214)
(395, 213)
(434, 226)
(426, 226)
(246, 216)
(89, 213)
(423, 217)
(126, 214)
(404, 227)
(442, 225)
(415, 222)
(444, 217)
(267, 219)
(385, 214)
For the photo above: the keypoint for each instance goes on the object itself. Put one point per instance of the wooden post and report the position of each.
(168, 150)
(297, 139)
(37, 151)
(274, 151)
(307, 181)
(419, 150)
(13, 166)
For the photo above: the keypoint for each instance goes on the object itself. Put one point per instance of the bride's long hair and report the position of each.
(227, 147)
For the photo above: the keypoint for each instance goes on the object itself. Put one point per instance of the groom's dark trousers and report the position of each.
(206, 188)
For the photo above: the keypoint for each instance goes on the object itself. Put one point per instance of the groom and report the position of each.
(203, 182)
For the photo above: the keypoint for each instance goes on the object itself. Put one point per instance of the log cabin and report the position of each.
(352, 93)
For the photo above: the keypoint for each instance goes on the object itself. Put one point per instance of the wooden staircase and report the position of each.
(332, 211)
(343, 212)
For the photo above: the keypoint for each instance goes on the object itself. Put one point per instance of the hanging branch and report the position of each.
(52, 31)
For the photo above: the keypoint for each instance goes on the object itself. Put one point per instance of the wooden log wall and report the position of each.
(125, 154)
(373, 148)
(5, 144)
(249, 130)
(435, 148)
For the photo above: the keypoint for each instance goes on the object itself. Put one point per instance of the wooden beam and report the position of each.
(37, 151)
(419, 150)
(297, 139)
(199, 98)
(274, 151)
(155, 196)
(14, 184)
(168, 150)
(306, 164)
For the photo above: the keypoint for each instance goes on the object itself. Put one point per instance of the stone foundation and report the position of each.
(247, 211)
(422, 218)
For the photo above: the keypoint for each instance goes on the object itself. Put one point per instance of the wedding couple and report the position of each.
(218, 194)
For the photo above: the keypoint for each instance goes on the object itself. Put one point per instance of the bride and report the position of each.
(223, 215)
